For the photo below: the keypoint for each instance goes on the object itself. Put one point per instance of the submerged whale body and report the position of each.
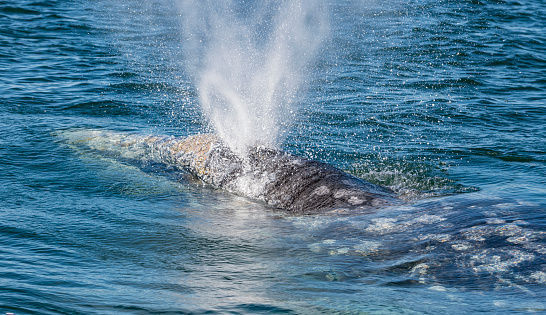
(278, 178)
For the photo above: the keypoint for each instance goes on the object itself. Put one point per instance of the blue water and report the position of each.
(443, 101)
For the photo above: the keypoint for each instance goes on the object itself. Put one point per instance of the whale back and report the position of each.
(287, 181)
(278, 178)
(303, 185)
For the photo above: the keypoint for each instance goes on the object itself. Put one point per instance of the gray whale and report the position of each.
(278, 178)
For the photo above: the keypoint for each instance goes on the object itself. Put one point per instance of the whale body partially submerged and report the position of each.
(278, 178)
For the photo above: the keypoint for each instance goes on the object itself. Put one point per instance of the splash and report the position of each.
(249, 60)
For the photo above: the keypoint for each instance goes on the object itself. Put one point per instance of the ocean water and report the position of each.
(443, 101)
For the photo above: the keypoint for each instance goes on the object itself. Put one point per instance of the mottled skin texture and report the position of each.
(306, 185)
(275, 177)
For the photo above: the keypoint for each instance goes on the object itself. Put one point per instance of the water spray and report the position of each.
(249, 60)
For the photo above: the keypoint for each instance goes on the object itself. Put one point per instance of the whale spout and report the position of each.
(273, 176)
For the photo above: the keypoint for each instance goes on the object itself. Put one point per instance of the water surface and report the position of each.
(441, 100)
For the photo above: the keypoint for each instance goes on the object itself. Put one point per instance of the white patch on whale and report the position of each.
(355, 201)
(341, 193)
(321, 190)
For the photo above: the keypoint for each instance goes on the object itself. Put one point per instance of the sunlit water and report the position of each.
(441, 100)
